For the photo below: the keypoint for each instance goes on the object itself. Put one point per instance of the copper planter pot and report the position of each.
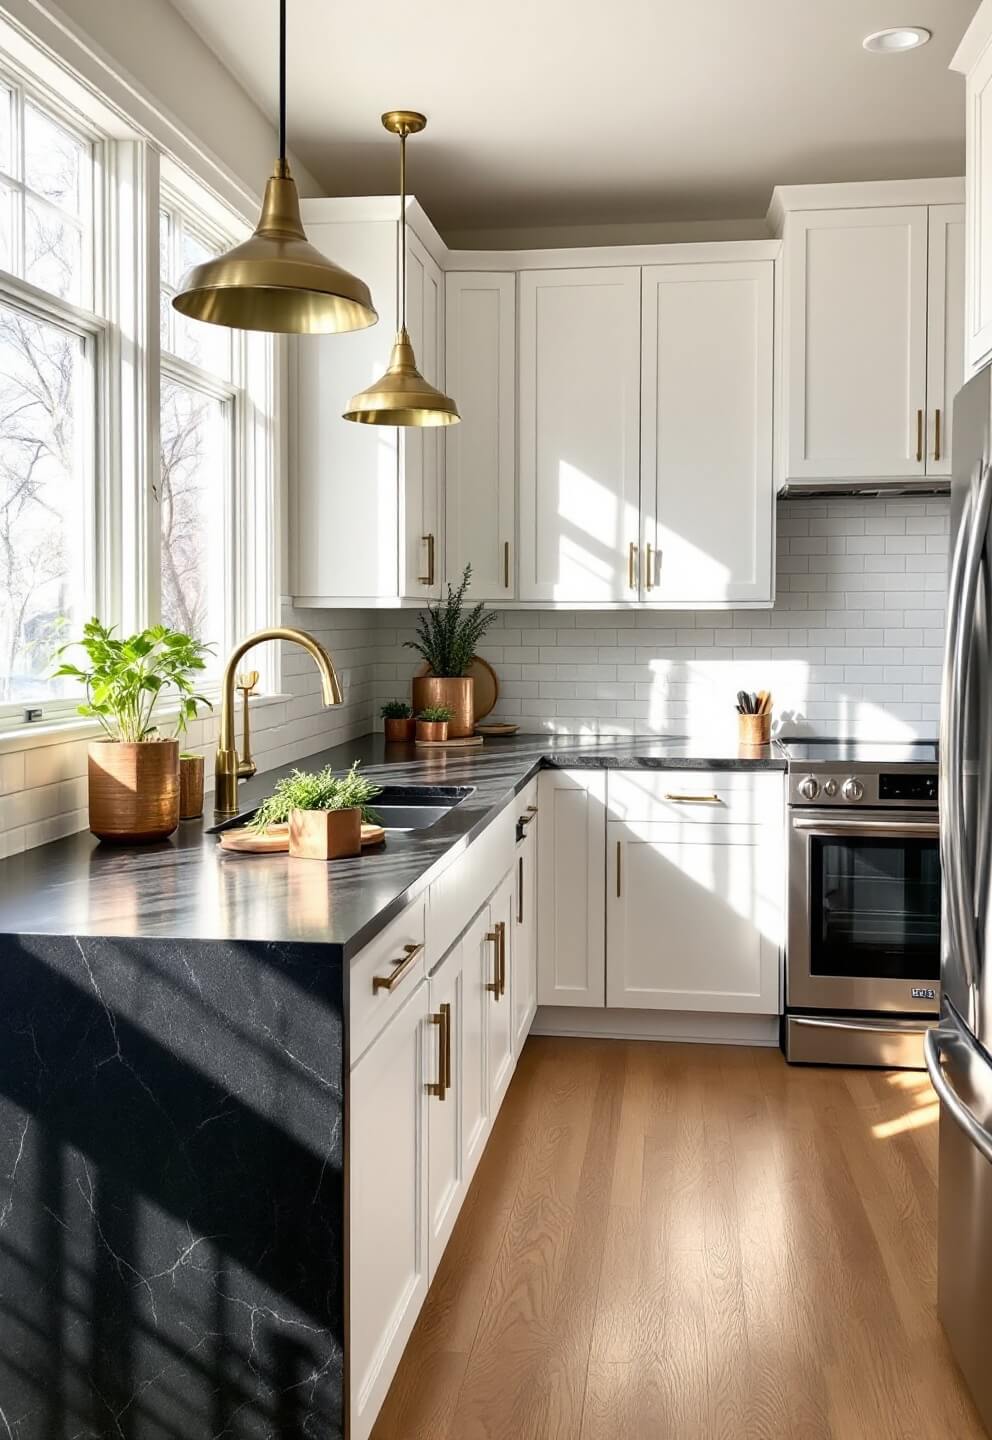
(133, 790)
(433, 731)
(455, 692)
(399, 732)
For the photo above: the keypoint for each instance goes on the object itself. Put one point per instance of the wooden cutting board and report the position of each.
(465, 743)
(275, 840)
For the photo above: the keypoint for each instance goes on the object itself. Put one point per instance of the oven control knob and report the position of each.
(809, 788)
(853, 790)
(830, 788)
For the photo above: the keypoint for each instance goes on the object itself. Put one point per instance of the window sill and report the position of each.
(74, 727)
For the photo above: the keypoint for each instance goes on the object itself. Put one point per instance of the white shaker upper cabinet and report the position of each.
(707, 485)
(421, 449)
(974, 60)
(856, 342)
(579, 413)
(480, 463)
(945, 330)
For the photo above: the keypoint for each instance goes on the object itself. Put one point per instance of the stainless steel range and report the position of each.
(863, 956)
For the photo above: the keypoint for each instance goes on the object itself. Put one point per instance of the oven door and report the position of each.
(864, 912)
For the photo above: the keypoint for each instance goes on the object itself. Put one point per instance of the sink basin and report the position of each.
(417, 807)
(399, 807)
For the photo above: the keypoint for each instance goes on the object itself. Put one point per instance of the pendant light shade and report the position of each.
(402, 396)
(277, 281)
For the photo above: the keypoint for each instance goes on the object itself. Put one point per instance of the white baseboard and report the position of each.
(694, 1028)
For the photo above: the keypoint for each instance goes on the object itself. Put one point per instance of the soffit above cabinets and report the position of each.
(663, 112)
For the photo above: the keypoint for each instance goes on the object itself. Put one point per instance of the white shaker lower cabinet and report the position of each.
(387, 1205)
(525, 925)
(579, 426)
(707, 489)
(571, 866)
(447, 1055)
(500, 1029)
(695, 892)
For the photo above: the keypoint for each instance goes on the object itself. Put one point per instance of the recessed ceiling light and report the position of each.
(894, 41)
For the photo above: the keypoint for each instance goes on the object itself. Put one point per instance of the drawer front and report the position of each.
(461, 890)
(384, 974)
(696, 797)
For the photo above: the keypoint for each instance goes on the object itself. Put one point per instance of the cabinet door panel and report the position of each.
(421, 448)
(978, 315)
(707, 491)
(856, 342)
(475, 1111)
(945, 329)
(500, 1028)
(525, 937)
(571, 879)
(579, 422)
(691, 921)
(445, 1160)
(480, 459)
(388, 1254)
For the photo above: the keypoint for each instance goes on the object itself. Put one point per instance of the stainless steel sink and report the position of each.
(399, 807)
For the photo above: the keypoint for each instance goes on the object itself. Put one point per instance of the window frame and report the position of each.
(130, 183)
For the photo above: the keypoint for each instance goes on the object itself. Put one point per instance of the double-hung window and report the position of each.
(51, 341)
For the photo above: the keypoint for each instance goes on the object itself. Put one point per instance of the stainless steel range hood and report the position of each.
(887, 489)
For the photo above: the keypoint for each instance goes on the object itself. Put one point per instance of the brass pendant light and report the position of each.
(402, 396)
(277, 281)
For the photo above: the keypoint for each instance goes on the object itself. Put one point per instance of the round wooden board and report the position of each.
(252, 842)
(485, 691)
(372, 835)
(498, 727)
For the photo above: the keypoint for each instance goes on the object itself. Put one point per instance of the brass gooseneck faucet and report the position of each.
(229, 767)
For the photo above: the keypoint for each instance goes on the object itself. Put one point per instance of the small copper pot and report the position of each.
(325, 834)
(133, 790)
(190, 787)
(399, 732)
(455, 692)
(433, 730)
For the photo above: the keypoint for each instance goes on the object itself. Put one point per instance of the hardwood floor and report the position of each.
(683, 1242)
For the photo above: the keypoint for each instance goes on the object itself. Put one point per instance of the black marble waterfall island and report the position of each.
(173, 1118)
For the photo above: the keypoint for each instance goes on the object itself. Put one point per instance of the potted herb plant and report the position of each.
(324, 812)
(433, 723)
(398, 721)
(133, 770)
(448, 635)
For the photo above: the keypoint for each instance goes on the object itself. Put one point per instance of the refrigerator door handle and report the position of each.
(956, 1108)
(949, 824)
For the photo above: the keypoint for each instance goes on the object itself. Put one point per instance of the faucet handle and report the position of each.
(247, 680)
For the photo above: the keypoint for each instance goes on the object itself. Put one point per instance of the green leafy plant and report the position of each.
(125, 679)
(435, 714)
(448, 635)
(395, 710)
(317, 790)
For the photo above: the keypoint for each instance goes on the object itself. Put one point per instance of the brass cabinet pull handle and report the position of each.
(689, 799)
(649, 563)
(506, 564)
(442, 1084)
(632, 565)
(428, 579)
(493, 984)
(390, 982)
(936, 435)
(530, 815)
(619, 873)
(919, 436)
(520, 891)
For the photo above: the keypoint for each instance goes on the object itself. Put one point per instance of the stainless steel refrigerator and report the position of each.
(959, 1050)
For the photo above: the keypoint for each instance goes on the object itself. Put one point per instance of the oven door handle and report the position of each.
(869, 1027)
(843, 826)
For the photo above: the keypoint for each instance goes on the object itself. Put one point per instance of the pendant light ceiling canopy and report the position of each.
(277, 281)
(402, 396)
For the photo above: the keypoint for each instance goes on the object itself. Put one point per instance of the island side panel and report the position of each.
(171, 1190)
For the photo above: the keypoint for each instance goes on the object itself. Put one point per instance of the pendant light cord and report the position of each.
(402, 306)
(282, 81)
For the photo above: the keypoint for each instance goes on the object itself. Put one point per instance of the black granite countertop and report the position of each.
(188, 888)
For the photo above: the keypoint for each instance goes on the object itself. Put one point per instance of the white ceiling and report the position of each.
(559, 112)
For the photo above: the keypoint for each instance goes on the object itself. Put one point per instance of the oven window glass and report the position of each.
(875, 908)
